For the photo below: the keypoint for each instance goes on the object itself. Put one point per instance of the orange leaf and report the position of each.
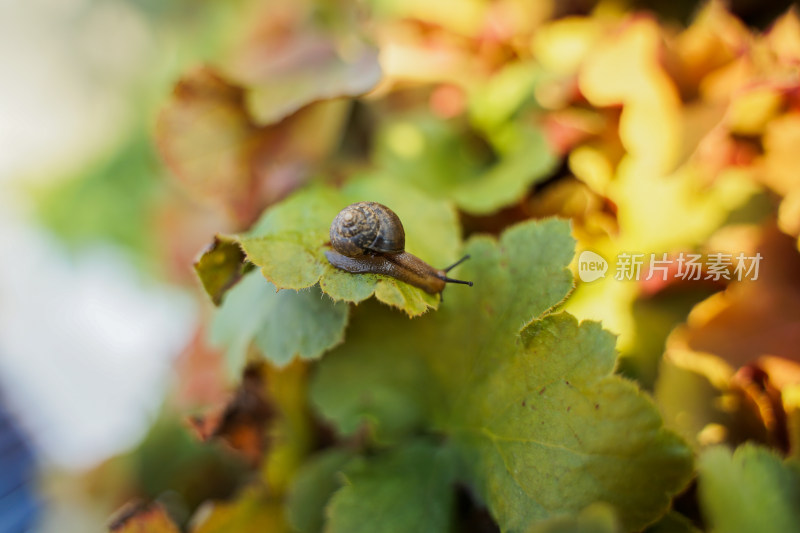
(140, 517)
(241, 423)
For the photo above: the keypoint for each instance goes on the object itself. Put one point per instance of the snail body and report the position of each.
(368, 237)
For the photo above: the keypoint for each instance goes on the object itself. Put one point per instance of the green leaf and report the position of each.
(480, 178)
(495, 102)
(528, 401)
(432, 155)
(535, 255)
(690, 401)
(597, 518)
(395, 406)
(526, 160)
(220, 267)
(672, 522)
(112, 200)
(555, 411)
(749, 490)
(307, 212)
(313, 486)
(283, 324)
(408, 489)
(289, 242)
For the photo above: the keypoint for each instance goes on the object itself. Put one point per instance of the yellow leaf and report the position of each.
(781, 154)
(750, 112)
(784, 37)
(625, 70)
(561, 46)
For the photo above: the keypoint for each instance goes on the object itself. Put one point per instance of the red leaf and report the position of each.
(242, 423)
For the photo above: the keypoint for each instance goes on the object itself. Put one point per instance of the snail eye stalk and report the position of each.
(451, 267)
(460, 281)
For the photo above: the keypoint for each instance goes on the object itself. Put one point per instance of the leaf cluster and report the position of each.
(396, 410)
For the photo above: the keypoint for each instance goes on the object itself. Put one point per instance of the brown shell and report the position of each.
(367, 228)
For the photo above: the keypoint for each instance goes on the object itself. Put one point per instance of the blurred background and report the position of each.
(96, 306)
(103, 348)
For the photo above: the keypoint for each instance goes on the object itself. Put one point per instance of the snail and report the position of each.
(369, 237)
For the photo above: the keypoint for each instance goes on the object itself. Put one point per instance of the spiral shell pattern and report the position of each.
(367, 227)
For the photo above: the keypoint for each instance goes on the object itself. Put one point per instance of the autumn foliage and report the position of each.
(533, 401)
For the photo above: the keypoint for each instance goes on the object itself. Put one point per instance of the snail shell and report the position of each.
(367, 228)
(368, 237)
